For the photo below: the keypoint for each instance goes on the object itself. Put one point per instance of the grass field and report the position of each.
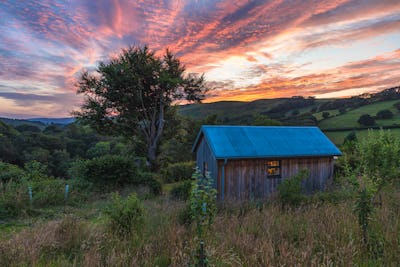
(316, 234)
(349, 119)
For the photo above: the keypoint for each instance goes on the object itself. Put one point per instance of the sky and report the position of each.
(247, 49)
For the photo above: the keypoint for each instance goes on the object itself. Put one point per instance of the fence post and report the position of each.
(30, 195)
(202, 255)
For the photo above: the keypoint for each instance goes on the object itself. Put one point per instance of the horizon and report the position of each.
(248, 50)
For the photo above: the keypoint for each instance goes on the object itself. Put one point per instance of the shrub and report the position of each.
(48, 192)
(149, 179)
(182, 190)
(366, 120)
(202, 202)
(125, 216)
(110, 170)
(290, 190)
(14, 199)
(325, 114)
(178, 171)
(10, 172)
(384, 114)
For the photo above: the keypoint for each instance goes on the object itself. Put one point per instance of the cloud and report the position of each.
(250, 48)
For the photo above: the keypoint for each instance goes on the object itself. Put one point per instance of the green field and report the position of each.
(349, 119)
(235, 109)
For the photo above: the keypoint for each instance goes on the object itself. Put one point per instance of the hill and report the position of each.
(18, 122)
(341, 114)
(63, 121)
(349, 118)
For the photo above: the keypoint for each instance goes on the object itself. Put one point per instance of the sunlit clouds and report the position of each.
(247, 49)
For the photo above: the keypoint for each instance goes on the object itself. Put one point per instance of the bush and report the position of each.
(149, 179)
(185, 216)
(14, 199)
(178, 171)
(384, 114)
(110, 170)
(181, 191)
(48, 192)
(366, 120)
(10, 172)
(125, 216)
(290, 190)
(203, 205)
(325, 114)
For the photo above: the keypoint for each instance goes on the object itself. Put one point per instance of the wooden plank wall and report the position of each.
(204, 154)
(247, 178)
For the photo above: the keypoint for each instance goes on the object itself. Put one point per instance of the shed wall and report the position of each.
(205, 155)
(247, 178)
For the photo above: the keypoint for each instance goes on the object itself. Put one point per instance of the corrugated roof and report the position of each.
(266, 141)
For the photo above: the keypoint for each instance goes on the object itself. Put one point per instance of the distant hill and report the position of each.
(46, 121)
(18, 122)
(289, 110)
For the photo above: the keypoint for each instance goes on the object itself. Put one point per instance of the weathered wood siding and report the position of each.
(247, 178)
(205, 155)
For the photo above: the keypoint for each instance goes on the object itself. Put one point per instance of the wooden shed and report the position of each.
(250, 161)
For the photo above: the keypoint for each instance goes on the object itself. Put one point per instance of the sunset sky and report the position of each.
(246, 49)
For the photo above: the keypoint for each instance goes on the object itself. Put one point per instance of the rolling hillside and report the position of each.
(349, 118)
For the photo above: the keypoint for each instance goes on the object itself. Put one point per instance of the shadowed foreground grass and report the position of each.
(318, 234)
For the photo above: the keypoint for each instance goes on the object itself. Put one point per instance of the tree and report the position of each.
(366, 120)
(263, 120)
(325, 114)
(131, 94)
(384, 114)
(397, 105)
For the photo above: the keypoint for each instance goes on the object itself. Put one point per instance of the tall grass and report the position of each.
(316, 234)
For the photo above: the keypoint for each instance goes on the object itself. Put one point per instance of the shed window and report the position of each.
(274, 169)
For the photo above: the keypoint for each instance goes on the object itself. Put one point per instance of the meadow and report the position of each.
(323, 232)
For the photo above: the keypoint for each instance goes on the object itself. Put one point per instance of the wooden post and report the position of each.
(202, 255)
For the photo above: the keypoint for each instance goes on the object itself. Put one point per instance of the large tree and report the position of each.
(132, 93)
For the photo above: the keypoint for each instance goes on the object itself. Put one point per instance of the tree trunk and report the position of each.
(151, 155)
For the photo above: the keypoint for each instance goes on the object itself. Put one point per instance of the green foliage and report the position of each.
(178, 171)
(397, 105)
(110, 171)
(325, 114)
(203, 198)
(263, 120)
(125, 216)
(185, 216)
(48, 192)
(13, 199)
(10, 172)
(35, 170)
(290, 190)
(363, 209)
(366, 120)
(149, 179)
(132, 93)
(351, 137)
(384, 114)
(100, 149)
(182, 190)
(379, 157)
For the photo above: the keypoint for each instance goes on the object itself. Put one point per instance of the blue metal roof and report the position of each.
(266, 141)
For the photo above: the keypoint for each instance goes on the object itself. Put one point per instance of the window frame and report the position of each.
(279, 167)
